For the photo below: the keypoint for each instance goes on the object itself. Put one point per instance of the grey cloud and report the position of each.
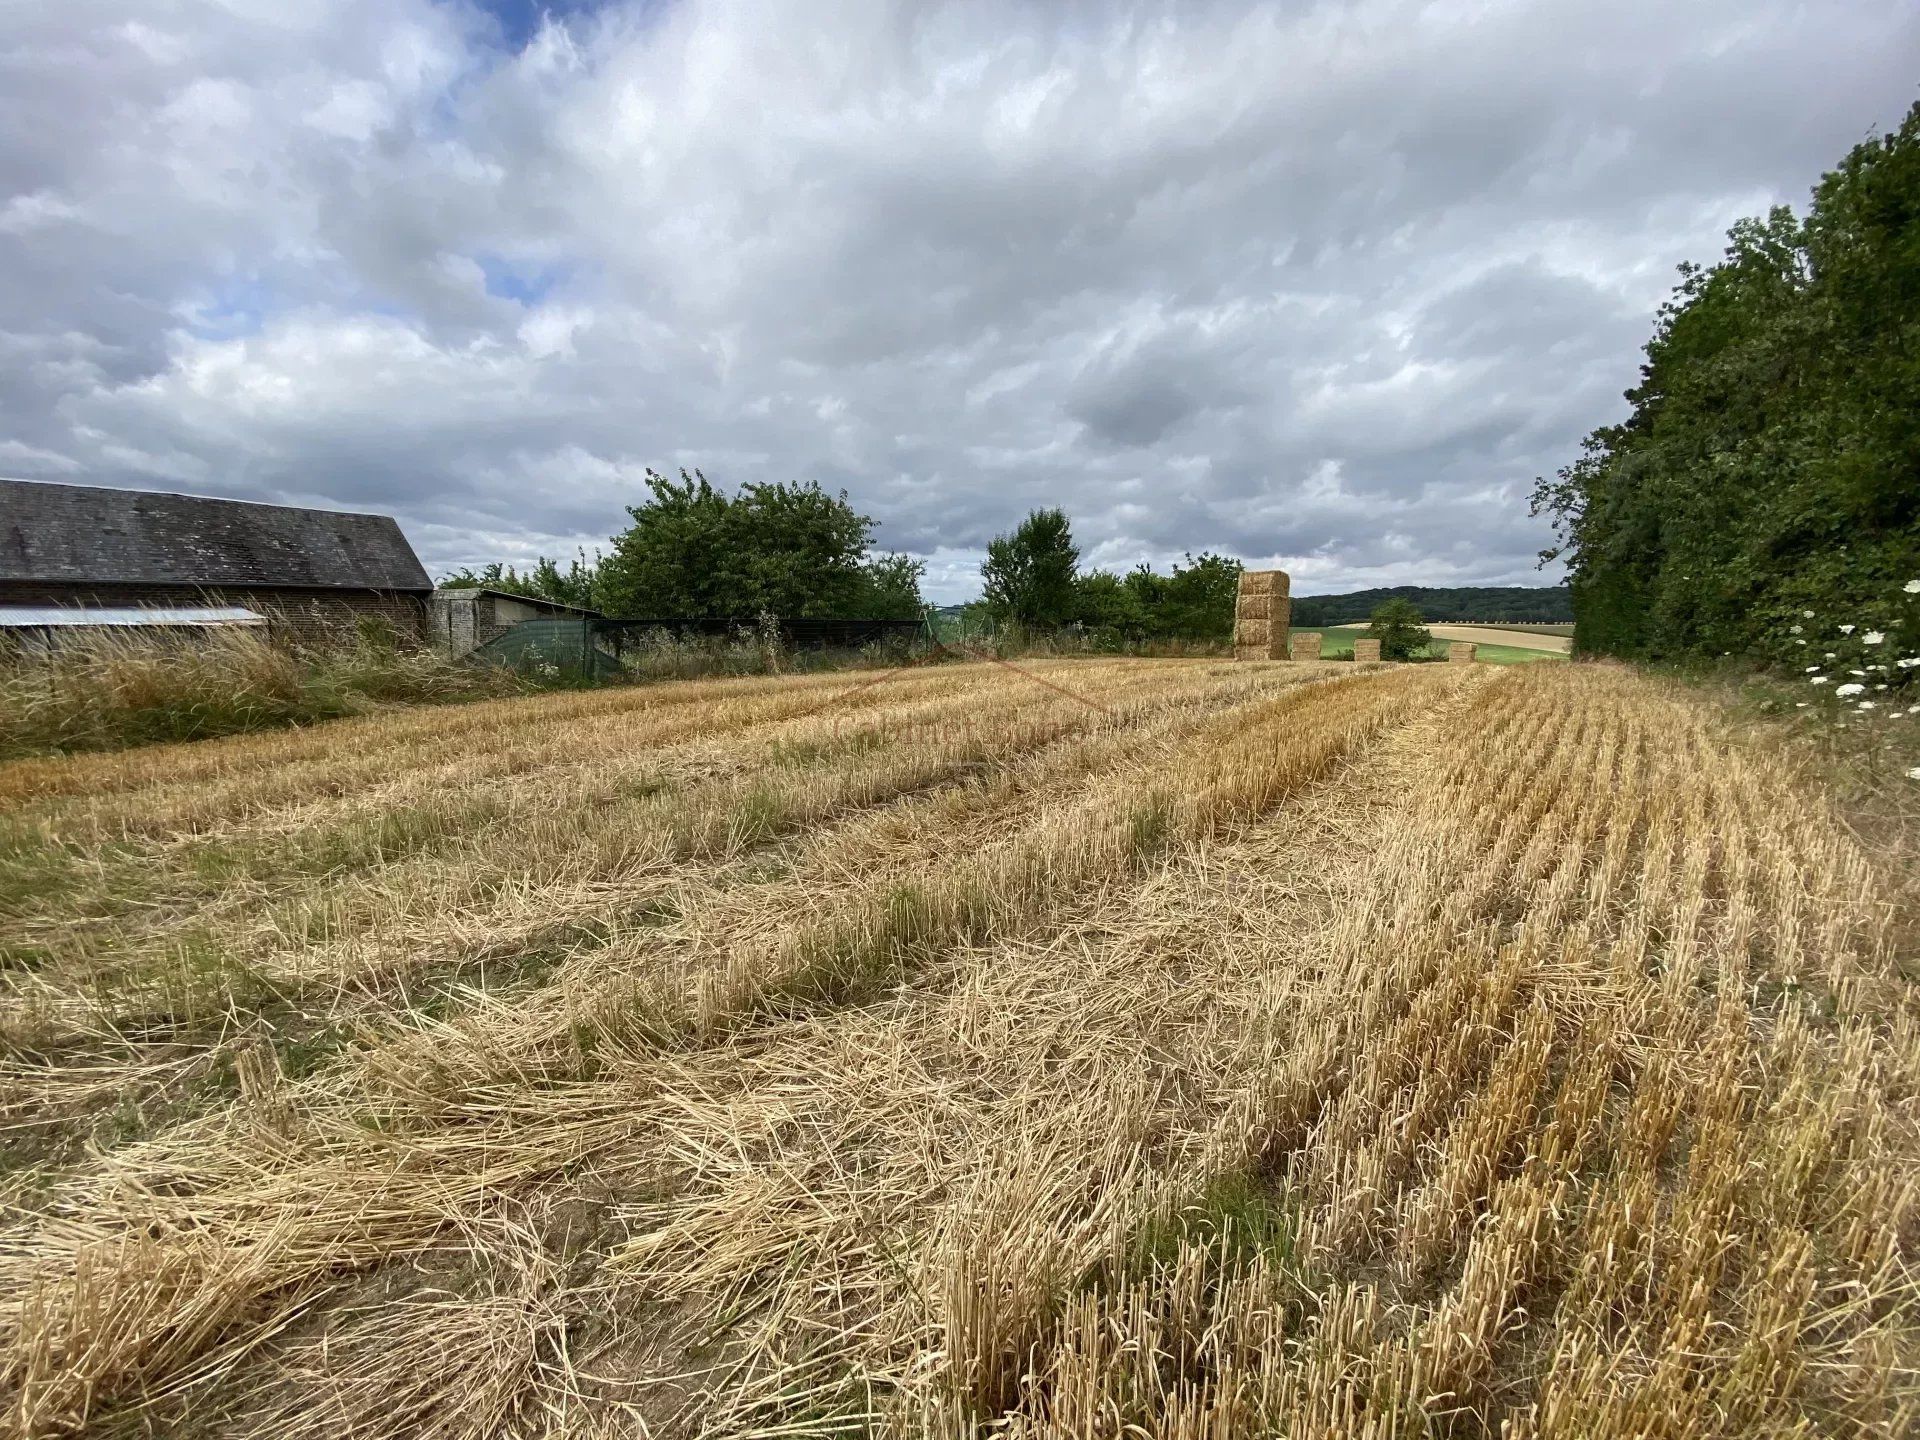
(1322, 285)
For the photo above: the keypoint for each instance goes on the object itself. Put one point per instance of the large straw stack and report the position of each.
(1366, 650)
(1262, 616)
(1461, 652)
(1306, 646)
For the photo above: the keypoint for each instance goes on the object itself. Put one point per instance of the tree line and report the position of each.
(695, 551)
(692, 550)
(1766, 483)
(1461, 604)
(1032, 580)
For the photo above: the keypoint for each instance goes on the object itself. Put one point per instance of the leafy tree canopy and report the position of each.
(794, 551)
(575, 585)
(1030, 575)
(1768, 474)
(1194, 602)
(1397, 625)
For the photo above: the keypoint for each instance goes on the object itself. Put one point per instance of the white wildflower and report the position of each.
(1909, 662)
(1912, 587)
(1793, 629)
(1914, 774)
(1849, 689)
(1806, 614)
(1818, 680)
(1861, 673)
(1832, 656)
(1804, 703)
(1864, 705)
(1846, 629)
(1810, 669)
(1873, 637)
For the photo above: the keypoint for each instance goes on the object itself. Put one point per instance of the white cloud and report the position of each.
(1325, 286)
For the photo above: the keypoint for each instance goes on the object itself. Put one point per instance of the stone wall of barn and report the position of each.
(460, 621)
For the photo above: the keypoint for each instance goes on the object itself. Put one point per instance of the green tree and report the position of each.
(1109, 607)
(794, 551)
(494, 576)
(1196, 600)
(575, 585)
(1770, 465)
(1029, 575)
(578, 584)
(1396, 624)
(893, 588)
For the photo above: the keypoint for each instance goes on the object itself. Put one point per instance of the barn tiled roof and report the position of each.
(84, 534)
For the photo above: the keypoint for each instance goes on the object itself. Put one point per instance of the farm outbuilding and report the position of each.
(460, 619)
(310, 574)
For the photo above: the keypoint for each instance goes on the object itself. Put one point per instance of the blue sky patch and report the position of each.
(523, 282)
(519, 20)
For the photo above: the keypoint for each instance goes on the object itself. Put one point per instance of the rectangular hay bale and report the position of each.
(1263, 582)
(1261, 615)
(1366, 650)
(1461, 652)
(1306, 646)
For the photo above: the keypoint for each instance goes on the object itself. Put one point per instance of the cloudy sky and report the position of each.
(1321, 285)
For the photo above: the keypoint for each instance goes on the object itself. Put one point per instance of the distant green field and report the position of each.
(1336, 643)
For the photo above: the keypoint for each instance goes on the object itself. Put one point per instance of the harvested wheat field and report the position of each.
(1514, 635)
(1143, 1048)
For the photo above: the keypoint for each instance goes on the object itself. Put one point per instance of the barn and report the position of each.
(310, 575)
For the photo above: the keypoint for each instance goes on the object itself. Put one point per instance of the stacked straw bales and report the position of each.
(1306, 646)
(1262, 616)
(1366, 650)
(1461, 652)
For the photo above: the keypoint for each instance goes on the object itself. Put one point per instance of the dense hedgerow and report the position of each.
(1771, 464)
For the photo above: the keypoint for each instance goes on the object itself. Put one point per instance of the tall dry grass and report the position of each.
(1257, 1050)
(116, 689)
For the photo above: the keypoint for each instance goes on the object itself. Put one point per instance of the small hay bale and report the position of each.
(1366, 650)
(1461, 652)
(1261, 615)
(1306, 646)
(1263, 582)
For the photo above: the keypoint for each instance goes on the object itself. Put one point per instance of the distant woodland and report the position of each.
(1444, 604)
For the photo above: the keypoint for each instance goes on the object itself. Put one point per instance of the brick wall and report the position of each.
(294, 617)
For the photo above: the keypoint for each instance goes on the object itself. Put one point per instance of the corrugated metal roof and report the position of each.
(88, 534)
(33, 617)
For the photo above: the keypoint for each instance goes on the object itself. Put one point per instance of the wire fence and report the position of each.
(657, 647)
